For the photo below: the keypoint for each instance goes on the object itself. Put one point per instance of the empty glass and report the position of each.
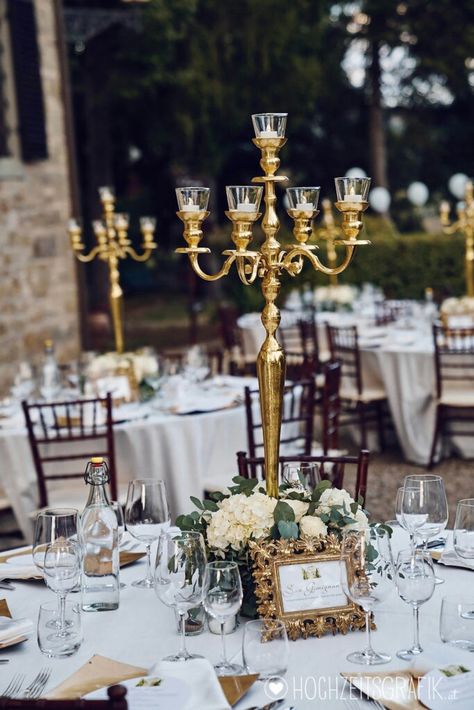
(57, 644)
(222, 600)
(367, 556)
(62, 569)
(464, 529)
(456, 623)
(146, 517)
(265, 648)
(179, 577)
(415, 579)
(51, 525)
(301, 476)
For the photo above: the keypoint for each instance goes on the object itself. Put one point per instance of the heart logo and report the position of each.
(276, 687)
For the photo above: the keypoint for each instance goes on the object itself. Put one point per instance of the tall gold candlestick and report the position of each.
(465, 225)
(111, 233)
(271, 259)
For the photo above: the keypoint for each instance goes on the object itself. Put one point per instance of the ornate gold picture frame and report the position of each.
(287, 572)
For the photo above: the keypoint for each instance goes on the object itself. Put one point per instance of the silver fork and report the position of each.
(13, 688)
(38, 684)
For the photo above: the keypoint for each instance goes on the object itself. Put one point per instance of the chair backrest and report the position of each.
(55, 432)
(290, 338)
(310, 341)
(331, 406)
(228, 315)
(454, 358)
(331, 467)
(344, 347)
(117, 700)
(297, 419)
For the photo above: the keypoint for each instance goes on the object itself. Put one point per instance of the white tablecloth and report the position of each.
(401, 361)
(143, 630)
(186, 451)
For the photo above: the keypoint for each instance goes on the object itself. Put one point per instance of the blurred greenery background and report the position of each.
(163, 97)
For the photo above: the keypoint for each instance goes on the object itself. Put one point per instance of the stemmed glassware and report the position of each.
(222, 600)
(367, 577)
(415, 580)
(179, 578)
(425, 507)
(146, 517)
(51, 525)
(301, 476)
(62, 569)
(464, 529)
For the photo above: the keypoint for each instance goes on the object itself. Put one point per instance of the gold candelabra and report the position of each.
(113, 244)
(465, 225)
(271, 259)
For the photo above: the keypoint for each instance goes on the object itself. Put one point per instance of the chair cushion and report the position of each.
(369, 394)
(457, 398)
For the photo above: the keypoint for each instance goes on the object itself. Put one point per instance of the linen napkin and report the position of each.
(12, 630)
(451, 559)
(445, 678)
(199, 675)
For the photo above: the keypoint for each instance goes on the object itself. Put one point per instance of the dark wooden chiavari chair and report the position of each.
(56, 430)
(454, 367)
(361, 405)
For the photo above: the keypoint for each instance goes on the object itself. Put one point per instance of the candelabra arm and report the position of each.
(248, 271)
(452, 228)
(193, 258)
(86, 258)
(140, 257)
(292, 267)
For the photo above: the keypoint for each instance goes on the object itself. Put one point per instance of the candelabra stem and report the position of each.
(271, 379)
(470, 262)
(116, 294)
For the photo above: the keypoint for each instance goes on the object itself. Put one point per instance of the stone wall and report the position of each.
(38, 286)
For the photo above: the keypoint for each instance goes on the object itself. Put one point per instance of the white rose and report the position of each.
(299, 508)
(312, 527)
(334, 496)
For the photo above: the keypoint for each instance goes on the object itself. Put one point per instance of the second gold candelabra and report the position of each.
(465, 225)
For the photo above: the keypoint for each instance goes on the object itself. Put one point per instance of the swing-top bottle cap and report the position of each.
(97, 472)
(97, 460)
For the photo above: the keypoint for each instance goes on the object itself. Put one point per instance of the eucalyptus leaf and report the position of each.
(288, 529)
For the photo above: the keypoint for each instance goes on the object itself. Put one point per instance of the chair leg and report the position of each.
(363, 425)
(380, 424)
(437, 432)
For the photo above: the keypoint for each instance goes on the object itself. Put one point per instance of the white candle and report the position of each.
(246, 207)
(190, 206)
(305, 206)
(268, 134)
(352, 197)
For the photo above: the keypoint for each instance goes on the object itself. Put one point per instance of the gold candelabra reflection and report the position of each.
(465, 225)
(271, 259)
(113, 244)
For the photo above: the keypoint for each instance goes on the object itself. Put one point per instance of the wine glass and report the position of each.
(464, 529)
(62, 569)
(429, 506)
(415, 579)
(400, 519)
(118, 510)
(301, 477)
(179, 577)
(146, 517)
(51, 525)
(222, 600)
(367, 579)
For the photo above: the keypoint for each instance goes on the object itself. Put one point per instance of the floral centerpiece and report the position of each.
(458, 307)
(230, 521)
(335, 298)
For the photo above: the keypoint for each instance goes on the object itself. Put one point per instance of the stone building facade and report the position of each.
(38, 284)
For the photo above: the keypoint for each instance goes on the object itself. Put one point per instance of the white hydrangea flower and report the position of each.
(239, 518)
(334, 496)
(361, 521)
(311, 526)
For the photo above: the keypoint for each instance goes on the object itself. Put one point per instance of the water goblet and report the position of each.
(62, 569)
(179, 578)
(51, 525)
(415, 579)
(301, 476)
(146, 517)
(222, 600)
(456, 622)
(429, 507)
(265, 648)
(367, 579)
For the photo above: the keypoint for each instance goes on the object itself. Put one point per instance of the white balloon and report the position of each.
(356, 173)
(379, 199)
(457, 185)
(418, 194)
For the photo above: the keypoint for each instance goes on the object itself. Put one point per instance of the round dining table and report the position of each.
(399, 358)
(142, 631)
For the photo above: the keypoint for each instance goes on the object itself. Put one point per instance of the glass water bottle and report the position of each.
(100, 548)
